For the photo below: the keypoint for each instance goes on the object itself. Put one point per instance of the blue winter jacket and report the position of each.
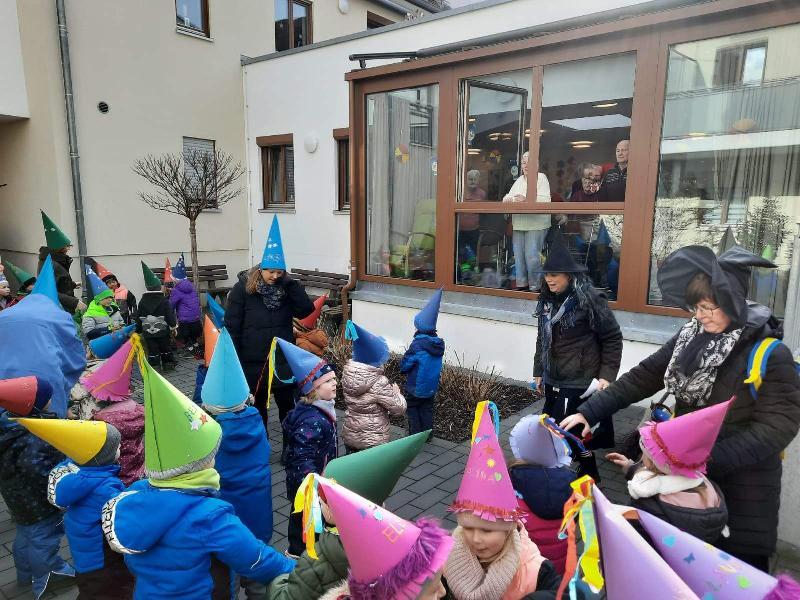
(199, 380)
(311, 442)
(423, 364)
(243, 466)
(82, 492)
(544, 490)
(168, 537)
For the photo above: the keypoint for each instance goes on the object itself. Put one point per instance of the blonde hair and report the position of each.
(253, 277)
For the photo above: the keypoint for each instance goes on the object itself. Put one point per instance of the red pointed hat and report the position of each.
(102, 272)
(21, 394)
(311, 320)
(168, 278)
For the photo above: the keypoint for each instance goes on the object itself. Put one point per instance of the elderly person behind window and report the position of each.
(706, 363)
(591, 189)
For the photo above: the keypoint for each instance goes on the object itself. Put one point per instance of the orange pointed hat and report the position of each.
(311, 320)
(210, 337)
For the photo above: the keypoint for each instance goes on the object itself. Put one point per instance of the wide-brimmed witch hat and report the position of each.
(559, 259)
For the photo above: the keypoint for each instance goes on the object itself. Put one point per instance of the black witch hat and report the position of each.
(559, 259)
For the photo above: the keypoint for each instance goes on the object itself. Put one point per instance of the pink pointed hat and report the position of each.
(681, 446)
(112, 380)
(390, 558)
(486, 491)
(619, 542)
(709, 572)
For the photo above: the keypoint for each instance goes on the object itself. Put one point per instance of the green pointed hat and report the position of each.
(21, 275)
(151, 282)
(56, 239)
(374, 472)
(179, 437)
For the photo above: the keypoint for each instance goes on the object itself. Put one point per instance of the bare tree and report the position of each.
(189, 183)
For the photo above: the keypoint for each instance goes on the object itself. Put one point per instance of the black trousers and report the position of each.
(112, 582)
(295, 528)
(159, 349)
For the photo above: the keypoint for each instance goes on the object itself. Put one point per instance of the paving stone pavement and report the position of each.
(427, 488)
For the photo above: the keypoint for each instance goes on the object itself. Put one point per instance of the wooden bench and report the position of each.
(210, 277)
(334, 282)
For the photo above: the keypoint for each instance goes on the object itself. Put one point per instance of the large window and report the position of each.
(277, 171)
(292, 24)
(198, 162)
(192, 15)
(401, 173)
(730, 153)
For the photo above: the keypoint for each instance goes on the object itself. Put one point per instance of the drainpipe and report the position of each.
(791, 322)
(354, 208)
(72, 132)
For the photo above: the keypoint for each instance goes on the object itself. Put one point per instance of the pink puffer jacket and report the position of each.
(370, 399)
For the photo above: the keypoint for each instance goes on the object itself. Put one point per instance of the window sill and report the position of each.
(342, 212)
(289, 209)
(212, 210)
(193, 33)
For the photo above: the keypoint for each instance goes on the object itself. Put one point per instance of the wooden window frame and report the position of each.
(206, 31)
(267, 144)
(649, 36)
(343, 187)
(378, 19)
(290, 10)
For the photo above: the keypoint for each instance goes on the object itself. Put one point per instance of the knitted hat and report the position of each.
(112, 380)
(531, 441)
(559, 258)
(56, 239)
(23, 395)
(179, 272)
(107, 344)
(46, 282)
(309, 370)
(273, 257)
(91, 443)
(389, 557)
(368, 348)
(486, 489)
(373, 473)
(425, 321)
(179, 437)
(97, 286)
(619, 541)
(216, 310)
(151, 282)
(709, 572)
(24, 279)
(225, 386)
(168, 278)
(210, 337)
(311, 320)
(681, 446)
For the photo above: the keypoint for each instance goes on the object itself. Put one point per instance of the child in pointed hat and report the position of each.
(306, 333)
(175, 517)
(370, 399)
(186, 303)
(390, 558)
(25, 464)
(309, 429)
(5, 292)
(670, 480)
(103, 315)
(422, 364)
(57, 249)
(25, 283)
(493, 558)
(155, 322)
(80, 486)
(541, 478)
(123, 297)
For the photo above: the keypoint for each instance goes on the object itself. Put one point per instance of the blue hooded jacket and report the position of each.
(243, 465)
(168, 537)
(544, 490)
(311, 443)
(423, 364)
(82, 492)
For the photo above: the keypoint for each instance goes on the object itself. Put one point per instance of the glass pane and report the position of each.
(190, 13)
(492, 252)
(585, 128)
(495, 120)
(289, 158)
(401, 182)
(300, 19)
(730, 153)
(277, 180)
(281, 25)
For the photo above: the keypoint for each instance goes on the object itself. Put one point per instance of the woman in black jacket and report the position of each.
(578, 341)
(706, 363)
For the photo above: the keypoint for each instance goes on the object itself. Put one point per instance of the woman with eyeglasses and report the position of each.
(706, 363)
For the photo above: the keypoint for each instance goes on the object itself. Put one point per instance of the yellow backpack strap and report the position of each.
(757, 363)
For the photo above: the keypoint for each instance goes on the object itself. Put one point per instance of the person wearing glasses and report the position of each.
(707, 363)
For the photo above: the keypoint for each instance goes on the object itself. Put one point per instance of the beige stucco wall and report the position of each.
(13, 98)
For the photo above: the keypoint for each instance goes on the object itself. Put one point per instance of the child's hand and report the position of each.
(621, 461)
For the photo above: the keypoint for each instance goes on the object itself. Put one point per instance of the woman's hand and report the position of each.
(575, 420)
(623, 462)
(602, 384)
(519, 198)
(537, 382)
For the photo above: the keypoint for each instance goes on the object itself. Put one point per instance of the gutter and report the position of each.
(393, 6)
(72, 132)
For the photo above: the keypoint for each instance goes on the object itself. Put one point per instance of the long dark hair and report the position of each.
(584, 292)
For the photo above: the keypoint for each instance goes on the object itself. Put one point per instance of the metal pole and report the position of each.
(72, 132)
(791, 321)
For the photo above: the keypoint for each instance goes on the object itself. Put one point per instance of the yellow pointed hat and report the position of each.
(79, 440)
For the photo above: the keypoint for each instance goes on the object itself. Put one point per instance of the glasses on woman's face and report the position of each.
(703, 311)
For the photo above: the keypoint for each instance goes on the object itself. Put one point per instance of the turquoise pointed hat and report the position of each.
(225, 386)
(46, 282)
(306, 367)
(273, 257)
(217, 312)
(368, 348)
(97, 287)
(425, 321)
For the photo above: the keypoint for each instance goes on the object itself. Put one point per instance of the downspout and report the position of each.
(72, 132)
(791, 322)
(354, 204)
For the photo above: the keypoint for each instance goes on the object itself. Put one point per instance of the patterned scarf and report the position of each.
(694, 389)
(271, 295)
(566, 313)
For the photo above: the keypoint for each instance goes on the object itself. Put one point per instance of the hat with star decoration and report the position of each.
(273, 257)
(56, 239)
(179, 437)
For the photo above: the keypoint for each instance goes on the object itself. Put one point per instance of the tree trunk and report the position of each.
(195, 267)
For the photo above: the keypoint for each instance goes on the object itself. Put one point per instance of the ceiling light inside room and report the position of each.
(581, 146)
(606, 105)
(587, 142)
(473, 151)
(697, 134)
(599, 122)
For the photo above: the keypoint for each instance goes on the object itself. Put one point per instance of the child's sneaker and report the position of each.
(39, 586)
(66, 570)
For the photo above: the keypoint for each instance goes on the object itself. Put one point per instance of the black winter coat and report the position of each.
(25, 464)
(745, 461)
(64, 282)
(252, 325)
(581, 352)
(154, 304)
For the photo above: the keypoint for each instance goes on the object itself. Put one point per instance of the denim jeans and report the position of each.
(527, 256)
(35, 548)
(420, 414)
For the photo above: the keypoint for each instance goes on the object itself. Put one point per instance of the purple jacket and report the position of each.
(185, 302)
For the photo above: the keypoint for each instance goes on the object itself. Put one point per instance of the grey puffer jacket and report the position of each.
(370, 399)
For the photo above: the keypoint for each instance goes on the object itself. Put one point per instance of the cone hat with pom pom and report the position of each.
(225, 386)
(111, 381)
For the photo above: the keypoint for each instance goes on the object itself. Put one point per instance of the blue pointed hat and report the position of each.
(225, 385)
(217, 312)
(97, 287)
(368, 348)
(46, 282)
(108, 344)
(306, 367)
(425, 321)
(602, 234)
(273, 257)
(179, 270)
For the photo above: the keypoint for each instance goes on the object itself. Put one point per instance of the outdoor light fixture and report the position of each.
(311, 143)
(606, 105)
